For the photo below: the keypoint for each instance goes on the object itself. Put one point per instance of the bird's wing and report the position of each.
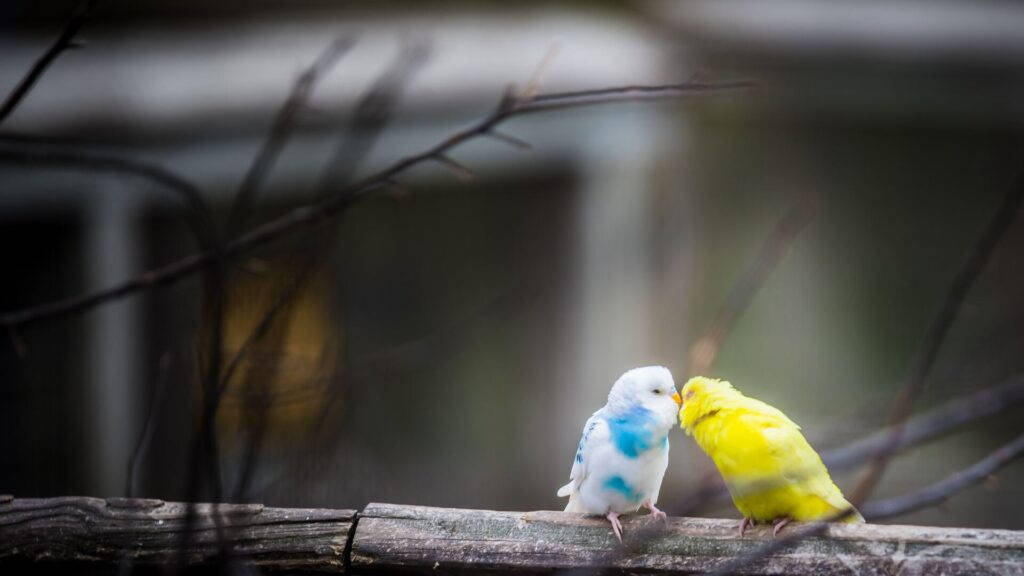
(595, 431)
(785, 454)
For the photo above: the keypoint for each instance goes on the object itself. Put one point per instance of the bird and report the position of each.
(772, 473)
(622, 457)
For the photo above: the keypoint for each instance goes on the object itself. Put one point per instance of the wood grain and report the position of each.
(75, 535)
(93, 533)
(414, 539)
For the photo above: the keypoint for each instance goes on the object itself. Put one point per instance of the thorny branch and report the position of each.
(320, 212)
(63, 42)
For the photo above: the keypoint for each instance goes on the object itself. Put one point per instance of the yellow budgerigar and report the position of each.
(771, 471)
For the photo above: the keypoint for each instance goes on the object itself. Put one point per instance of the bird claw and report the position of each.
(778, 525)
(743, 525)
(616, 525)
(658, 514)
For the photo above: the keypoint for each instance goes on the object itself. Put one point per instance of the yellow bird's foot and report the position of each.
(616, 525)
(743, 525)
(658, 514)
(778, 524)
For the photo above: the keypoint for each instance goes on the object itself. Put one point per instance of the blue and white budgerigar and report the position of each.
(623, 454)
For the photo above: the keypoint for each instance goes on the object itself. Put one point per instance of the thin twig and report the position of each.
(304, 216)
(508, 139)
(261, 329)
(282, 127)
(935, 493)
(774, 248)
(146, 434)
(951, 416)
(34, 151)
(635, 93)
(371, 115)
(205, 449)
(460, 170)
(533, 86)
(62, 43)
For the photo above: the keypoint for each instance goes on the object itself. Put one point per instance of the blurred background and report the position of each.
(444, 339)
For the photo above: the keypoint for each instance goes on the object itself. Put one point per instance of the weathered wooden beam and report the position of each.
(405, 539)
(76, 535)
(95, 534)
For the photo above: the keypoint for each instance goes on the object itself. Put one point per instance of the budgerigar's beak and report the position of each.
(678, 399)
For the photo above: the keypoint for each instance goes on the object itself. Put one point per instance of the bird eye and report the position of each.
(657, 390)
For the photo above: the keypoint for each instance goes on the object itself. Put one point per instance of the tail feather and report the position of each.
(854, 518)
(566, 490)
(575, 504)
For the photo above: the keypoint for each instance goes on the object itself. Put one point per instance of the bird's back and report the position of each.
(770, 469)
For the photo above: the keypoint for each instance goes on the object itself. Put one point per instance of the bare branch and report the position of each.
(935, 493)
(34, 151)
(502, 137)
(63, 42)
(558, 100)
(460, 170)
(146, 435)
(951, 416)
(282, 127)
(775, 247)
(280, 302)
(322, 211)
(371, 115)
(533, 86)
(936, 334)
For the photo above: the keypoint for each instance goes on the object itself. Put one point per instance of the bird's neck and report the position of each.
(712, 415)
(706, 429)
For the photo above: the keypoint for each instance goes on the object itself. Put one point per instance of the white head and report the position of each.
(650, 387)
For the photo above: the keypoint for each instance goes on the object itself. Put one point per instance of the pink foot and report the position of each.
(743, 525)
(778, 524)
(613, 517)
(656, 512)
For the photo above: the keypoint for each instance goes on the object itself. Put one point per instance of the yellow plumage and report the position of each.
(771, 471)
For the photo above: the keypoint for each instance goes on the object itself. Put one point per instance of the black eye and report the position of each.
(657, 390)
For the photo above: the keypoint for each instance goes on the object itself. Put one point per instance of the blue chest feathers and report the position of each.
(633, 433)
